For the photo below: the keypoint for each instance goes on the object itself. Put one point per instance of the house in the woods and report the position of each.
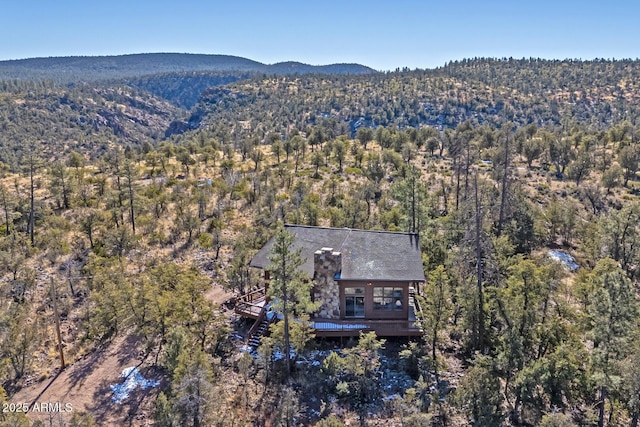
(364, 280)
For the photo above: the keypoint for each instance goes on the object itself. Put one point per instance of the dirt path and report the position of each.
(217, 295)
(84, 386)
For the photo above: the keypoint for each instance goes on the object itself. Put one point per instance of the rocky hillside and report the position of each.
(87, 119)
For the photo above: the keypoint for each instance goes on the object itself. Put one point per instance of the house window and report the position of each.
(387, 298)
(354, 302)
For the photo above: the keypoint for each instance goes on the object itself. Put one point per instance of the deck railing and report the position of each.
(331, 327)
(251, 304)
(257, 295)
(262, 316)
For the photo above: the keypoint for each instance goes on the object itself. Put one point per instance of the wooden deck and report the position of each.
(253, 305)
(383, 328)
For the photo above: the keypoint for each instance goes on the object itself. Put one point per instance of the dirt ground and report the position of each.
(84, 386)
(218, 295)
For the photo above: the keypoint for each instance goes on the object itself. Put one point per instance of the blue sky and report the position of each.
(382, 35)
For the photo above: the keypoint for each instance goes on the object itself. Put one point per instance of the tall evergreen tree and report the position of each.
(612, 311)
(290, 293)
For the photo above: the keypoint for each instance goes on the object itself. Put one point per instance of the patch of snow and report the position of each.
(132, 380)
(564, 258)
(278, 355)
(305, 361)
(273, 315)
(322, 354)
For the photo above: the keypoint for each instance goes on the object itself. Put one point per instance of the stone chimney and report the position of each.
(326, 265)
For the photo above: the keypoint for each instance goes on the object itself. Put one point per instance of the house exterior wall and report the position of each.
(326, 289)
(329, 291)
(370, 313)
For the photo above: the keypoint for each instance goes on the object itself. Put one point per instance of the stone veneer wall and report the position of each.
(325, 289)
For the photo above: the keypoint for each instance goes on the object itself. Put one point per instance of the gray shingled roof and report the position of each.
(366, 255)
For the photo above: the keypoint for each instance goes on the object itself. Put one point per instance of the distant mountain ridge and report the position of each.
(74, 69)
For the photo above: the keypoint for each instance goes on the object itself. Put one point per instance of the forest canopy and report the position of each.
(142, 201)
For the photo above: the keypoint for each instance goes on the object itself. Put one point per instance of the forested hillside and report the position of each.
(144, 216)
(75, 69)
(545, 93)
(185, 88)
(55, 120)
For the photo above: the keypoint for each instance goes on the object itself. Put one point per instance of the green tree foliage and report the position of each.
(612, 312)
(532, 149)
(289, 290)
(560, 152)
(239, 272)
(479, 394)
(629, 159)
(356, 375)
(620, 236)
(557, 420)
(340, 151)
(193, 388)
(437, 308)
(410, 192)
(109, 315)
(317, 161)
(364, 135)
(555, 380)
(581, 167)
(14, 251)
(519, 221)
(527, 354)
(11, 418)
(611, 177)
(61, 185)
(18, 340)
(330, 421)
(478, 252)
(177, 300)
(117, 205)
(630, 370)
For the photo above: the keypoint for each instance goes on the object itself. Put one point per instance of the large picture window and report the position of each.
(387, 298)
(354, 302)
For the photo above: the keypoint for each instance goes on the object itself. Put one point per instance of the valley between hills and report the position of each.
(136, 191)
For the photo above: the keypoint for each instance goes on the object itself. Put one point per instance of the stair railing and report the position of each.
(261, 317)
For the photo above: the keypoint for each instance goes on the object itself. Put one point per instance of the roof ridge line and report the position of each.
(345, 239)
(406, 233)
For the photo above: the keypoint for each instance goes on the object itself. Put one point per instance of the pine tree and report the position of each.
(193, 387)
(612, 312)
(288, 289)
(437, 310)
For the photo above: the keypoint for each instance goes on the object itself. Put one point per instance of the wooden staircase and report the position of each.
(261, 328)
(254, 306)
